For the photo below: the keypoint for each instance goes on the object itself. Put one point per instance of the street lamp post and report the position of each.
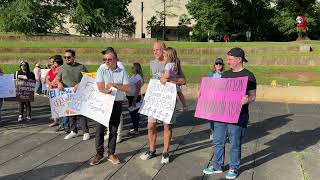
(164, 21)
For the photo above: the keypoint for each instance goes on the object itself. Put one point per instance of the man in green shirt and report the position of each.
(69, 75)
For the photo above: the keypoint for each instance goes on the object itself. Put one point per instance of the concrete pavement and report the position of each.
(282, 142)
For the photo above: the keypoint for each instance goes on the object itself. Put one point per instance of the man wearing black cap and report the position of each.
(235, 132)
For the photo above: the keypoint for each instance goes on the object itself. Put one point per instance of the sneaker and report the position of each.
(67, 130)
(86, 136)
(71, 135)
(20, 118)
(132, 132)
(119, 139)
(232, 174)
(60, 128)
(211, 136)
(28, 118)
(37, 94)
(96, 160)
(113, 159)
(165, 158)
(211, 170)
(148, 155)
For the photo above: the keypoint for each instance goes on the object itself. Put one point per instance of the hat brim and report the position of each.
(244, 60)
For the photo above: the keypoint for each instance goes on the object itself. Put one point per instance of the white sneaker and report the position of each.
(86, 136)
(119, 138)
(71, 135)
(28, 118)
(20, 118)
(165, 158)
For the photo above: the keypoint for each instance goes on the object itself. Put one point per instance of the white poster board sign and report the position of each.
(61, 102)
(89, 102)
(7, 86)
(159, 101)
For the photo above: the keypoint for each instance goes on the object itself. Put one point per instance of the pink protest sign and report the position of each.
(220, 99)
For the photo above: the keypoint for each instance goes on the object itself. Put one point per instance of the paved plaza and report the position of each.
(281, 142)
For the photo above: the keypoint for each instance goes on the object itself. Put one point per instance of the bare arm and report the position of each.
(138, 89)
(250, 98)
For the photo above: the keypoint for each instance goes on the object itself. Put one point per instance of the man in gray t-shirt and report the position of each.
(69, 75)
(157, 66)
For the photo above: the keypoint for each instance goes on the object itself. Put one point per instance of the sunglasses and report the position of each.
(107, 60)
(67, 57)
(218, 64)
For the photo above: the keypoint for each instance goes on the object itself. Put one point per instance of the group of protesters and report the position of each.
(166, 67)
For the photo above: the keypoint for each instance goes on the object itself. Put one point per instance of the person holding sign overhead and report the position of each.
(235, 132)
(110, 79)
(157, 67)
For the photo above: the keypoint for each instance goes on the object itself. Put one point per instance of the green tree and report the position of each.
(288, 10)
(97, 16)
(154, 27)
(219, 17)
(37, 16)
(183, 29)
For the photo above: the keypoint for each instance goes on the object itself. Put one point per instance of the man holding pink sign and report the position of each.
(229, 109)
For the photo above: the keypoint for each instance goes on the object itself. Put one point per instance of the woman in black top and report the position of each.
(24, 73)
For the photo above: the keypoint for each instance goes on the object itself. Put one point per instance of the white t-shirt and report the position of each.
(133, 80)
(172, 69)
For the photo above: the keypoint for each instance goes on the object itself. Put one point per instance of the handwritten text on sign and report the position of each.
(220, 99)
(25, 90)
(7, 86)
(89, 102)
(159, 101)
(61, 101)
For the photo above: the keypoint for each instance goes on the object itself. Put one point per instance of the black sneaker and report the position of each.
(60, 128)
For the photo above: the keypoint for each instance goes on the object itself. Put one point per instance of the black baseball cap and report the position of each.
(218, 61)
(237, 52)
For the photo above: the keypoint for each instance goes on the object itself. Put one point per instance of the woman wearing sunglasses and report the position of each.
(24, 73)
(217, 70)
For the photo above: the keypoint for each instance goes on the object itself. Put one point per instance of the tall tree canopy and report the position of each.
(26, 16)
(92, 17)
(266, 19)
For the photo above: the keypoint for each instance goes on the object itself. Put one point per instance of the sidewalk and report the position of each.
(282, 142)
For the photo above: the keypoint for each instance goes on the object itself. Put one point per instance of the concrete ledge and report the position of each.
(292, 94)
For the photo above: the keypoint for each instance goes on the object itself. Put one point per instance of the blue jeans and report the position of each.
(235, 134)
(64, 122)
(38, 86)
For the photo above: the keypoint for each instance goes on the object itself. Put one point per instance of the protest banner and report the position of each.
(159, 101)
(61, 101)
(24, 91)
(7, 86)
(89, 102)
(220, 99)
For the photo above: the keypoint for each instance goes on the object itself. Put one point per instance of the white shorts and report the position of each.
(153, 120)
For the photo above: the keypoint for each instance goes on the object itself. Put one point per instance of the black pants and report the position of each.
(135, 116)
(113, 128)
(83, 123)
(28, 108)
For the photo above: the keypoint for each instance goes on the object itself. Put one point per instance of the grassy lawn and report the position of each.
(139, 45)
(294, 75)
(150, 56)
